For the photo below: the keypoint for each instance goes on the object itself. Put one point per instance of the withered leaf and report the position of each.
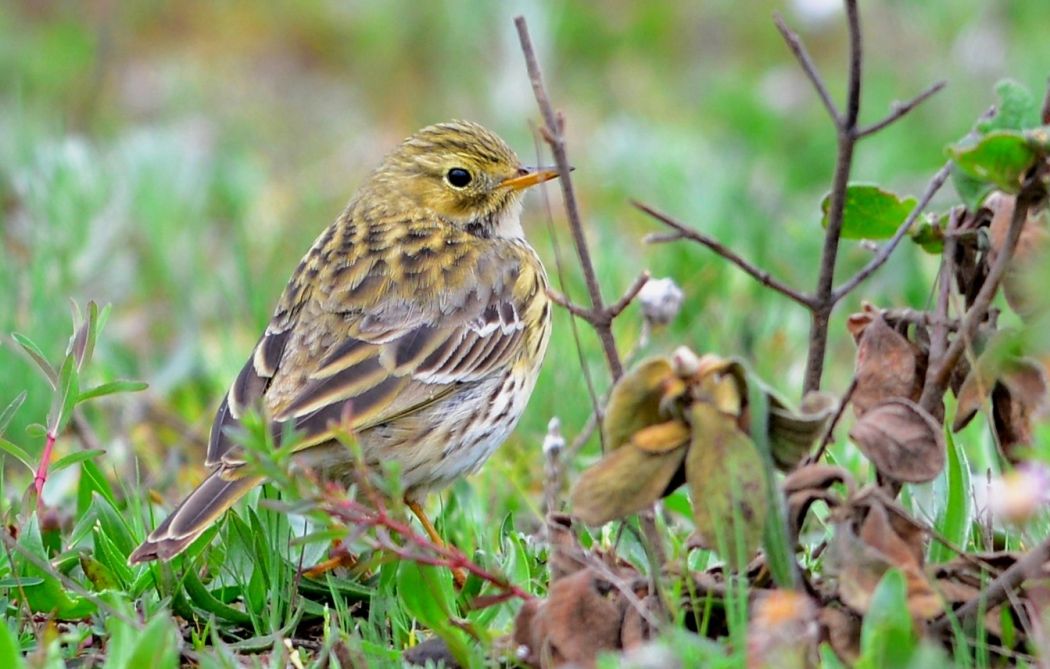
(1018, 398)
(862, 559)
(791, 434)
(623, 482)
(581, 617)
(902, 440)
(905, 553)
(782, 630)
(842, 629)
(662, 437)
(635, 401)
(818, 476)
(1030, 252)
(886, 366)
(726, 480)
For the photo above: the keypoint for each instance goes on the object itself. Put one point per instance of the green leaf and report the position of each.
(157, 645)
(888, 636)
(929, 234)
(1018, 109)
(18, 453)
(202, 598)
(999, 158)
(726, 480)
(971, 190)
(953, 523)
(870, 212)
(74, 458)
(114, 525)
(65, 395)
(8, 413)
(22, 582)
(10, 651)
(37, 356)
(427, 594)
(48, 596)
(776, 539)
(118, 386)
(92, 481)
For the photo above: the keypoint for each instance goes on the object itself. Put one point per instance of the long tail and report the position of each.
(195, 514)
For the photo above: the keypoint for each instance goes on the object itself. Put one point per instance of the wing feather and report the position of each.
(397, 354)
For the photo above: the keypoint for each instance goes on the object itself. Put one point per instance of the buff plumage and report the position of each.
(421, 313)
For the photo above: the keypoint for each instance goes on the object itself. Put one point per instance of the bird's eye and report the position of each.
(458, 177)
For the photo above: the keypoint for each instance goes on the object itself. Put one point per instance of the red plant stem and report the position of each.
(45, 461)
(447, 556)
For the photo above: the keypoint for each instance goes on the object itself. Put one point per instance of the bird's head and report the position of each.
(462, 172)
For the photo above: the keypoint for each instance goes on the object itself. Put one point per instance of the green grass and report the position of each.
(175, 162)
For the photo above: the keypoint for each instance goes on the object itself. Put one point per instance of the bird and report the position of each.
(418, 321)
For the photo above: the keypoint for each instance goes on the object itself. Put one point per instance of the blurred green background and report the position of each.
(176, 159)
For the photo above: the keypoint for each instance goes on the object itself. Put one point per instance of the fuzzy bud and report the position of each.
(661, 300)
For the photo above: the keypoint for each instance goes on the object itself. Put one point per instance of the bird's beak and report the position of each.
(529, 176)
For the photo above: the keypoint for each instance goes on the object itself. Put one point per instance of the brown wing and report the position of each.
(383, 352)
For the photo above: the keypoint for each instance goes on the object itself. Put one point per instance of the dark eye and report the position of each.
(458, 177)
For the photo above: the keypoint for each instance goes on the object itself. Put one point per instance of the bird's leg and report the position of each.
(458, 577)
(338, 556)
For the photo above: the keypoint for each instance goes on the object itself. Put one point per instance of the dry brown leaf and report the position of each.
(584, 614)
(879, 533)
(817, 476)
(841, 628)
(1019, 398)
(1031, 249)
(886, 367)
(902, 440)
(783, 630)
(566, 556)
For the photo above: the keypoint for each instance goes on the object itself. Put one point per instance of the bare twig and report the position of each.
(555, 138)
(605, 315)
(900, 109)
(998, 590)
(799, 49)
(416, 548)
(887, 249)
(846, 124)
(937, 381)
(830, 432)
(940, 326)
(683, 231)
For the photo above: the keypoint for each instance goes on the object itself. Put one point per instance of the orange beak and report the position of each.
(529, 176)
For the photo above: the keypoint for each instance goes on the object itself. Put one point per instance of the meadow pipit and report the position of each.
(421, 313)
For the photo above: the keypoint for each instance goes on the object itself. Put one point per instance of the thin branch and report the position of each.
(795, 44)
(829, 433)
(556, 140)
(606, 315)
(887, 249)
(937, 381)
(563, 301)
(685, 232)
(823, 300)
(997, 591)
(900, 109)
(616, 309)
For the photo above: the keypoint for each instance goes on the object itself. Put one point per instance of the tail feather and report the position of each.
(196, 513)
